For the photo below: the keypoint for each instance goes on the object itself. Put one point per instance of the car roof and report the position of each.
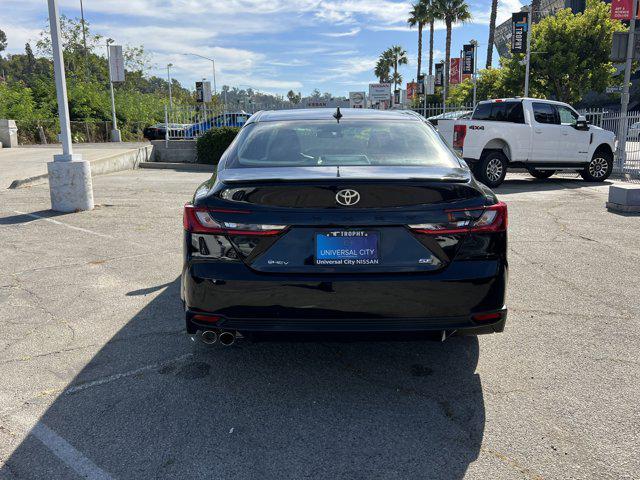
(327, 114)
(519, 99)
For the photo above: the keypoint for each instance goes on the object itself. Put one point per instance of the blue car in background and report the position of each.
(231, 119)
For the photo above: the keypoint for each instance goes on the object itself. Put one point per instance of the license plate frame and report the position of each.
(363, 246)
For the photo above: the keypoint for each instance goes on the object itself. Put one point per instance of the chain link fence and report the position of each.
(45, 131)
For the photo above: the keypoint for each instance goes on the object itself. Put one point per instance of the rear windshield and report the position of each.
(329, 143)
(499, 112)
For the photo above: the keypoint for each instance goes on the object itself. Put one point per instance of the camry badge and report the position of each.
(347, 197)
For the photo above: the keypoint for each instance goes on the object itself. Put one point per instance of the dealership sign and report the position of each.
(357, 99)
(519, 27)
(621, 9)
(379, 92)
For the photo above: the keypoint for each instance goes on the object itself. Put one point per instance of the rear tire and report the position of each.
(542, 174)
(599, 167)
(491, 169)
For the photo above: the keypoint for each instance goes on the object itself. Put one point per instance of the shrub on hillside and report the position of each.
(212, 144)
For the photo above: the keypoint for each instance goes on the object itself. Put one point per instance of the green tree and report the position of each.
(396, 56)
(382, 69)
(573, 56)
(451, 11)
(294, 97)
(3, 41)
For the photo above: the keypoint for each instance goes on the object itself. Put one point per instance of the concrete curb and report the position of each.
(184, 167)
(128, 160)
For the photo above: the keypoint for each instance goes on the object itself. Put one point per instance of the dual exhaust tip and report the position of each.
(225, 337)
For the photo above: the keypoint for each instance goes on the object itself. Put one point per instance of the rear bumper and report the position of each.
(248, 301)
(461, 325)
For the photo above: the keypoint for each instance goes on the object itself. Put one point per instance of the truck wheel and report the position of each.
(541, 173)
(599, 167)
(492, 169)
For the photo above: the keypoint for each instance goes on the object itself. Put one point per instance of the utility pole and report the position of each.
(213, 63)
(528, 54)
(169, 65)
(624, 104)
(70, 185)
(84, 40)
(115, 133)
(475, 68)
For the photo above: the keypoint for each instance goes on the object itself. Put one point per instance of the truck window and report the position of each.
(482, 112)
(500, 112)
(544, 113)
(567, 116)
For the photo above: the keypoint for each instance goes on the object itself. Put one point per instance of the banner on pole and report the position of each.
(467, 59)
(116, 63)
(430, 84)
(519, 27)
(439, 80)
(412, 89)
(203, 92)
(621, 9)
(454, 71)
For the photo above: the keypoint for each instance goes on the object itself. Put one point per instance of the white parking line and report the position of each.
(68, 454)
(84, 230)
(117, 376)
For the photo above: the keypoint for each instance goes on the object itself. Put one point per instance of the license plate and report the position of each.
(349, 247)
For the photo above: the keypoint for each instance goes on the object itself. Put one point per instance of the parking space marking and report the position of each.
(68, 454)
(80, 229)
(118, 376)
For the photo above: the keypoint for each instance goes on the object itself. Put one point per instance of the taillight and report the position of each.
(459, 132)
(202, 220)
(493, 218)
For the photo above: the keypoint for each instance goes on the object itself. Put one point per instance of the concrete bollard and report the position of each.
(70, 184)
(8, 133)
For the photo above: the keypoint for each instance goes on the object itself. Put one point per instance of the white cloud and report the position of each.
(350, 33)
(18, 35)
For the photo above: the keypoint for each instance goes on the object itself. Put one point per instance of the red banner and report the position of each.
(412, 89)
(454, 71)
(621, 9)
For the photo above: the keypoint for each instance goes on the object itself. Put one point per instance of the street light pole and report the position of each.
(624, 104)
(70, 185)
(169, 65)
(475, 68)
(528, 54)
(213, 64)
(115, 133)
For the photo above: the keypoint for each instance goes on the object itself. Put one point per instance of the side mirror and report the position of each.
(581, 123)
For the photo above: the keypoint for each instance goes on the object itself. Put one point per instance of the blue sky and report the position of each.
(270, 45)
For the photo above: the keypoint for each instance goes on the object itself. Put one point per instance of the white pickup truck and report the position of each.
(542, 136)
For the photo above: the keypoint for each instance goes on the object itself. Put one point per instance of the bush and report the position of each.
(212, 144)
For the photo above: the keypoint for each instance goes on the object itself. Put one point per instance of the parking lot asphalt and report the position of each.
(99, 379)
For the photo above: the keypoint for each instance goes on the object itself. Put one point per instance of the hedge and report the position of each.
(212, 144)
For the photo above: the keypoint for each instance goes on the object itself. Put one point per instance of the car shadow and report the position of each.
(513, 184)
(154, 403)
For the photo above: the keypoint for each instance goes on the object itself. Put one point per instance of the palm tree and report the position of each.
(383, 67)
(433, 16)
(396, 56)
(419, 15)
(451, 11)
(492, 31)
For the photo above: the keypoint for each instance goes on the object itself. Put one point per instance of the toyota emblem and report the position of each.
(347, 197)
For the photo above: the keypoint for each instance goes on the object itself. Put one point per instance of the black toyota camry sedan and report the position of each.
(343, 221)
